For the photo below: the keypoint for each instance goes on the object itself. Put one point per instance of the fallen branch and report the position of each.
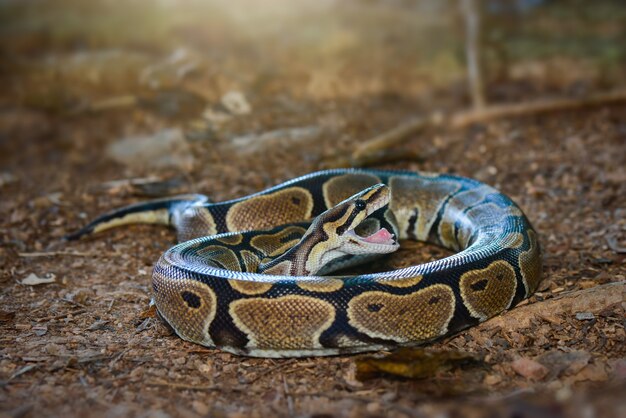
(394, 136)
(466, 118)
(593, 300)
(462, 119)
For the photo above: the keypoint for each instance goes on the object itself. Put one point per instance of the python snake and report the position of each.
(261, 292)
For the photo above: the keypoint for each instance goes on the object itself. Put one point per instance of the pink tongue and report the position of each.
(381, 237)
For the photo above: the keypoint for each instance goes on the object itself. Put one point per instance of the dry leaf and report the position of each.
(7, 316)
(413, 363)
(33, 280)
(149, 312)
(98, 325)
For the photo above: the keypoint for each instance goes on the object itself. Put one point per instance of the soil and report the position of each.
(86, 343)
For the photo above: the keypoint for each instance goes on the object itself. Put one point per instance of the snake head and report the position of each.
(352, 232)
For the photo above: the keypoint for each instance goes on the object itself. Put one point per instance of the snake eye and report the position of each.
(360, 204)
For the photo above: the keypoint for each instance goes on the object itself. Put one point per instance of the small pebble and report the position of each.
(200, 407)
(530, 369)
(492, 379)
(585, 316)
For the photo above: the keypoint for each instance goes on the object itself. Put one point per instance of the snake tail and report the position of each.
(159, 211)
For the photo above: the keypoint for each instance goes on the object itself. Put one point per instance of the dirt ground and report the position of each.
(85, 343)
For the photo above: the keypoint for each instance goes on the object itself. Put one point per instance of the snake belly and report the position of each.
(205, 292)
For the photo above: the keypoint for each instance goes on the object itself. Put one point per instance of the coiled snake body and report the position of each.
(260, 293)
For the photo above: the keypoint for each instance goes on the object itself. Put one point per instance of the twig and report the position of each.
(60, 316)
(91, 359)
(270, 370)
(23, 370)
(110, 306)
(72, 302)
(117, 357)
(144, 325)
(193, 387)
(57, 253)
(332, 396)
(288, 397)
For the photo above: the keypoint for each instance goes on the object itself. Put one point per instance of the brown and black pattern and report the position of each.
(293, 204)
(187, 305)
(285, 323)
(418, 316)
(455, 217)
(274, 244)
(489, 291)
(209, 289)
(339, 188)
(416, 203)
(530, 263)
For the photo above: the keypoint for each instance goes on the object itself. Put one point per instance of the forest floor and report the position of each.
(82, 342)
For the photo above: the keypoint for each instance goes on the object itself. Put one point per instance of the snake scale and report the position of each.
(268, 292)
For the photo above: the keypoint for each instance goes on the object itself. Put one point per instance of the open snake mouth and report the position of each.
(369, 230)
(382, 236)
(370, 233)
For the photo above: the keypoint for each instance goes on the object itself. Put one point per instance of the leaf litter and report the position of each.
(60, 358)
